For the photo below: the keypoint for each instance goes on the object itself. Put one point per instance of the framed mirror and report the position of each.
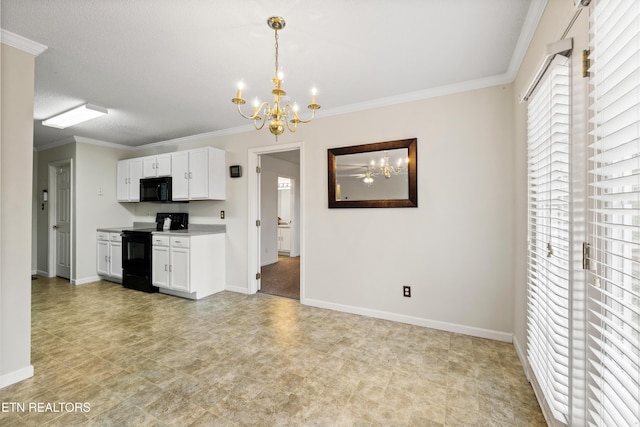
(379, 175)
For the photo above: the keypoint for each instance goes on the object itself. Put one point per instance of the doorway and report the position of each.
(280, 260)
(279, 263)
(60, 219)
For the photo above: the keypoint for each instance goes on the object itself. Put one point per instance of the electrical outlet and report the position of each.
(221, 214)
(406, 291)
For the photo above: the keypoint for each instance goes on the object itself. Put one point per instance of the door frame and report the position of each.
(53, 200)
(253, 232)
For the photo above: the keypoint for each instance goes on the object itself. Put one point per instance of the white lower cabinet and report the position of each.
(284, 239)
(188, 266)
(109, 256)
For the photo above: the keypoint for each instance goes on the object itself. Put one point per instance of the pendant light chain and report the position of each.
(276, 45)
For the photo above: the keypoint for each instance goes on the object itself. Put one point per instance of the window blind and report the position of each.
(548, 233)
(614, 216)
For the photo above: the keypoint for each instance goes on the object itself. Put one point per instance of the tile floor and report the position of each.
(143, 359)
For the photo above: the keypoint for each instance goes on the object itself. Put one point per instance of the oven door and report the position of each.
(136, 251)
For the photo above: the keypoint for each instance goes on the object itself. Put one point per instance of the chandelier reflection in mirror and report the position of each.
(385, 168)
(277, 115)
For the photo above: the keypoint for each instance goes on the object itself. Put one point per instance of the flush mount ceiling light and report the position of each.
(77, 115)
(277, 115)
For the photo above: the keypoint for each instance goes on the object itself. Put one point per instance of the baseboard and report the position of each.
(237, 289)
(16, 376)
(85, 280)
(522, 355)
(41, 273)
(418, 321)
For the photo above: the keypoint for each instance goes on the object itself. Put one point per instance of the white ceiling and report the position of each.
(167, 69)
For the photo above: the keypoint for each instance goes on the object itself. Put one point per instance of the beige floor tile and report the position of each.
(235, 360)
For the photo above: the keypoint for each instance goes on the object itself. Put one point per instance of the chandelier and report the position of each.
(384, 169)
(277, 115)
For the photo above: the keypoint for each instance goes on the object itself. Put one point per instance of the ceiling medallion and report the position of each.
(277, 115)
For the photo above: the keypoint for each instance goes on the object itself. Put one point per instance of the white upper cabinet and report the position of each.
(198, 174)
(129, 173)
(159, 165)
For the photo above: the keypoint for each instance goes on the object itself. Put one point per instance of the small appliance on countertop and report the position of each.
(172, 221)
(136, 250)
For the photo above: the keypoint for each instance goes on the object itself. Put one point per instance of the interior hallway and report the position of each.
(231, 359)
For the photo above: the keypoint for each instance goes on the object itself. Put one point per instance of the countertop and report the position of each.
(193, 230)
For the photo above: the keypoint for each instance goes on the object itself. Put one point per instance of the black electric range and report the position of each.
(137, 254)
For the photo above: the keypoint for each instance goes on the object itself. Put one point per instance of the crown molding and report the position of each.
(22, 43)
(536, 9)
(83, 140)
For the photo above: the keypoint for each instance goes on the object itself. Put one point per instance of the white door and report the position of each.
(180, 174)
(198, 174)
(163, 165)
(160, 266)
(123, 181)
(149, 166)
(103, 258)
(135, 173)
(179, 269)
(115, 259)
(63, 221)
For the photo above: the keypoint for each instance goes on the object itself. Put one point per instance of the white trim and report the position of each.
(83, 140)
(42, 273)
(536, 9)
(522, 354)
(253, 241)
(236, 289)
(412, 320)
(22, 43)
(85, 280)
(16, 376)
(90, 141)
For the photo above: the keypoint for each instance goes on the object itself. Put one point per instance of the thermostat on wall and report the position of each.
(235, 171)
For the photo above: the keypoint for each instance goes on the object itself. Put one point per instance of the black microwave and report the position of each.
(155, 189)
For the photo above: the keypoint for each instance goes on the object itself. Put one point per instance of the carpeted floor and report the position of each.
(282, 278)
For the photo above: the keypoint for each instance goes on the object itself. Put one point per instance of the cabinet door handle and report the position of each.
(190, 175)
(169, 267)
(186, 176)
(165, 268)
(105, 259)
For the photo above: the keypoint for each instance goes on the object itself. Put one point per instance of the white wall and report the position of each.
(455, 249)
(94, 168)
(16, 163)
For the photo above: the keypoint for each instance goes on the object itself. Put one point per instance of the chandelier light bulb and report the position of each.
(240, 87)
(295, 107)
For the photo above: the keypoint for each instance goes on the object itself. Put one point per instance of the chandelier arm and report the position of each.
(242, 114)
(296, 119)
(264, 107)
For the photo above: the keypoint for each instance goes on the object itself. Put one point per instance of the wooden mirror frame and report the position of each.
(411, 202)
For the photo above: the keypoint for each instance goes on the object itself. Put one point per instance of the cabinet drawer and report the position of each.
(103, 235)
(160, 240)
(115, 237)
(180, 242)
